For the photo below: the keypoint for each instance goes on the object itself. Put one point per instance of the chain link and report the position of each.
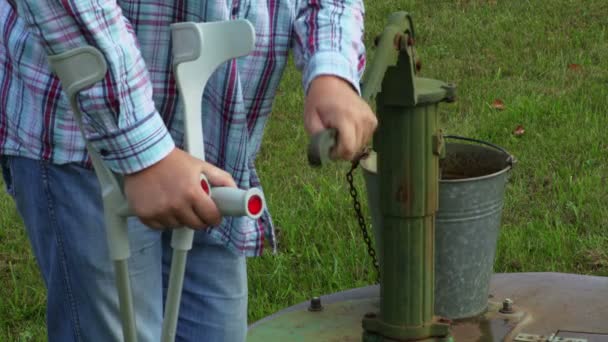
(360, 218)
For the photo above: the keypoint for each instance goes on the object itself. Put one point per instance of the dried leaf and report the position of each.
(498, 104)
(574, 67)
(519, 131)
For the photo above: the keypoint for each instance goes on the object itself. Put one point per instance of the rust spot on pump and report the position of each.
(402, 194)
(397, 41)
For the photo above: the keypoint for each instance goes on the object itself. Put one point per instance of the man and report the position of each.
(134, 119)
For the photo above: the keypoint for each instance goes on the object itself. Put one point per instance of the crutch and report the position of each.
(198, 49)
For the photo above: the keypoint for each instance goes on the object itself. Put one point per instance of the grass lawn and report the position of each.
(545, 60)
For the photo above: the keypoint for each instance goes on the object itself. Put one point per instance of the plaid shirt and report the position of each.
(133, 117)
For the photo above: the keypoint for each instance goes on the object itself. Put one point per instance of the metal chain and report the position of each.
(353, 193)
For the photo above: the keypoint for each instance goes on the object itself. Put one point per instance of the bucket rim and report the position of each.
(368, 168)
(369, 163)
(491, 175)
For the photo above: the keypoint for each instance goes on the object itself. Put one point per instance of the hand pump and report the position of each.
(408, 143)
(402, 176)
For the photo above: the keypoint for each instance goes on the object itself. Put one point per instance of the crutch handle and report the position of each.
(236, 202)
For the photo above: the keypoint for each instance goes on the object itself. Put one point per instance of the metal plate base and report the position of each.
(550, 304)
(570, 336)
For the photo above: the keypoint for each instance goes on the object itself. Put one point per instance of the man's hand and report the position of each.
(331, 102)
(168, 194)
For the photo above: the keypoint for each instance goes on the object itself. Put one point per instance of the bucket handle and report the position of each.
(511, 160)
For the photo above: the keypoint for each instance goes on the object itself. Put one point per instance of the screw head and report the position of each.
(315, 304)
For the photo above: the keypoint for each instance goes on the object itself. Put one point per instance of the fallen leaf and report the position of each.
(515, 265)
(519, 130)
(498, 104)
(596, 259)
(574, 67)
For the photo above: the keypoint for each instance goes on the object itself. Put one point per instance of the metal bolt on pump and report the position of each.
(315, 304)
(507, 306)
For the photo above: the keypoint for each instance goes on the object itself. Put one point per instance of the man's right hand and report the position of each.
(168, 194)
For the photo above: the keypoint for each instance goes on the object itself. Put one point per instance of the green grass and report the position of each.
(556, 210)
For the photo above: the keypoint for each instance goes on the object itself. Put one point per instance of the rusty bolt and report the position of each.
(315, 305)
(410, 41)
(370, 315)
(507, 306)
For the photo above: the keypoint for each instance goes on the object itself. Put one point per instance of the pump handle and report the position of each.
(320, 148)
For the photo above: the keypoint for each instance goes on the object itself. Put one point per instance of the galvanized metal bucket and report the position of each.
(471, 193)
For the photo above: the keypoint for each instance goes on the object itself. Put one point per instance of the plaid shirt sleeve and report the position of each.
(121, 121)
(329, 40)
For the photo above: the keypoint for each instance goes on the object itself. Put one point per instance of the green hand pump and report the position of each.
(408, 143)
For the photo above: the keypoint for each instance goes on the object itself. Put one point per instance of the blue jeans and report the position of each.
(62, 211)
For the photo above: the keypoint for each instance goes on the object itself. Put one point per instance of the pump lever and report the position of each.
(320, 148)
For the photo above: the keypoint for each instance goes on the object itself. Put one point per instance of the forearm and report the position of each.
(120, 117)
(328, 40)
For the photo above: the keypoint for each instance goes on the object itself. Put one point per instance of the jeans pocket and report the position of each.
(7, 174)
